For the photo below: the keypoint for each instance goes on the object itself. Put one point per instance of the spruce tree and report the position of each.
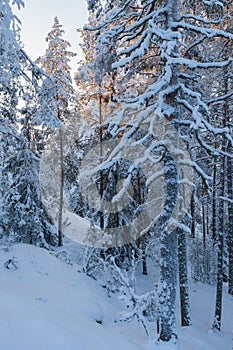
(22, 213)
(56, 64)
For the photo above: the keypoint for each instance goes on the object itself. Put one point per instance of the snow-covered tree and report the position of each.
(56, 64)
(22, 213)
(11, 57)
(24, 217)
(173, 36)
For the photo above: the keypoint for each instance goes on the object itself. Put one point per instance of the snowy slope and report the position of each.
(47, 304)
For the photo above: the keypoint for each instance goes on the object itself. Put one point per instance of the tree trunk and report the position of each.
(219, 288)
(230, 225)
(61, 188)
(228, 117)
(203, 225)
(214, 202)
(166, 325)
(142, 246)
(193, 215)
(167, 286)
(219, 291)
(183, 278)
(101, 156)
(168, 260)
(142, 240)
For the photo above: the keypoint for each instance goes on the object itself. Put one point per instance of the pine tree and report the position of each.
(174, 35)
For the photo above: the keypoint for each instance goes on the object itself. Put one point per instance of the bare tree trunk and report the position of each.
(144, 262)
(203, 225)
(214, 202)
(166, 325)
(142, 240)
(230, 225)
(61, 189)
(219, 288)
(183, 278)
(101, 156)
(193, 215)
(229, 191)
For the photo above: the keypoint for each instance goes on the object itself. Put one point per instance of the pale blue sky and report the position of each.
(37, 20)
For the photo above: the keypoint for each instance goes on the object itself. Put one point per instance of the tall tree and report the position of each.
(11, 57)
(56, 64)
(22, 215)
(172, 35)
(221, 113)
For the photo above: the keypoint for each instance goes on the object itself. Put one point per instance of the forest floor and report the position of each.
(47, 304)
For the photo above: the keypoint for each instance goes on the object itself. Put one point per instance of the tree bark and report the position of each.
(166, 325)
(221, 222)
(183, 278)
(101, 156)
(193, 215)
(142, 240)
(61, 189)
(214, 202)
(230, 225)
(219, 287)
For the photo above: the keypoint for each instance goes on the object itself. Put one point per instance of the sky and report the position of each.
(37, 18)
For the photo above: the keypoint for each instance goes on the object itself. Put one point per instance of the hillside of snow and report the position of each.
(47, 304)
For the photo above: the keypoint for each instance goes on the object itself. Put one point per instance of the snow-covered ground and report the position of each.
(48, 304)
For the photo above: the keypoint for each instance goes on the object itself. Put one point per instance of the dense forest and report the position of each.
(138, 146)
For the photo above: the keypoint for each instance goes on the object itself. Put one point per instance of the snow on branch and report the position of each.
(201, 19)
(213, 3)
(19, 3)
(208, 32)
(220, 98)
(192, 64)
